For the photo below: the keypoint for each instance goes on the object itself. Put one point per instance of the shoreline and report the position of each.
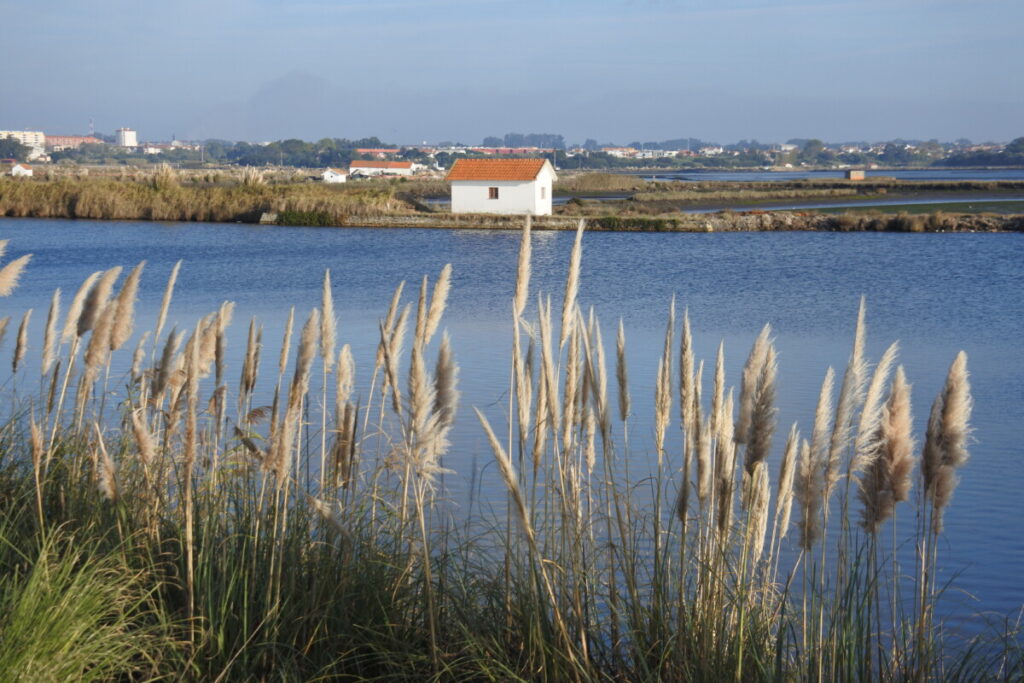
(168, 198)
(725, 221)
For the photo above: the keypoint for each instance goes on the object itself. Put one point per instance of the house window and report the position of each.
(492, 193)
(543, 192)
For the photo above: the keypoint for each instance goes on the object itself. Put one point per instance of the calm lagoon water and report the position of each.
(936, 294)
(950, 174)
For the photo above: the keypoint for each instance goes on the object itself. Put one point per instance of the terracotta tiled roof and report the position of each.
(380, 164)
(496, 169)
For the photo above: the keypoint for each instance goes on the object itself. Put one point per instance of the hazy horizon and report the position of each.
(409, 71)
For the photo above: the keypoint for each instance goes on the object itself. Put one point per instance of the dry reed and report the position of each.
(96, 300)
(572, 286)
(21, 345)
(328, 324)
(75, 310)
(888, 479)
(867, 444)
(124, 315)
(165, 302)
(522, 290)
(11, 273)
(622, 372)
(50, 334)
(945, 449)
(748, 388)
(850, 396)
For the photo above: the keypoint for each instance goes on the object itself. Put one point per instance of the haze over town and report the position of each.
(409, 71)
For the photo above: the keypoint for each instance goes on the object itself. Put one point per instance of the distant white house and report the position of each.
(505, 186)
(21, 170)
(333, 175)
(366, 168)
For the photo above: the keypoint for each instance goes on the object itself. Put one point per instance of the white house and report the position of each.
(21, 170)
(333, 175)
(380, 168)
(508, 186)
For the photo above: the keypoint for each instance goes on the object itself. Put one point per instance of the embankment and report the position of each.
(164, 199)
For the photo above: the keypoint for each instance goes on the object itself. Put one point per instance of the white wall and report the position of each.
(126, 137)
(364, 170)
(514, 197)
(332, 177)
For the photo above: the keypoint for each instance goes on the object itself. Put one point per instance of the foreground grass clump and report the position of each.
(309, 538)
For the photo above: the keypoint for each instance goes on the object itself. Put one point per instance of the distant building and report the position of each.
(21, 171)
(620, 152)
(378, 152)
(35, 140)
(60, 143)
(511, 151)
(504, 186)
(126, 137)
(854, 175)
(366, 168)
(334, 175)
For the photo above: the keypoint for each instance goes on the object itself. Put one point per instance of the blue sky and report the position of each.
(614, 70)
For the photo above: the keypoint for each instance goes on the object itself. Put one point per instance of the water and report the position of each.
(994, 204)
(950, 174)
(935, 293)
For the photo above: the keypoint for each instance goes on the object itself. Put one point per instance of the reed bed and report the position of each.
(162, 197)
(195, 534)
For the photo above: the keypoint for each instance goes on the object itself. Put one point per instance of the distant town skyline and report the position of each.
(413, 70)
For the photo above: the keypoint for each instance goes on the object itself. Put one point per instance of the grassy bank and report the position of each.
(168, 527)
(164, 198)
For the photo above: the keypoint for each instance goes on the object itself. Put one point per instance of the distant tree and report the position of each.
(12, 149)
(590, 144)
(815, 152)
(1015, 147)
(896, 153)
(514, 140)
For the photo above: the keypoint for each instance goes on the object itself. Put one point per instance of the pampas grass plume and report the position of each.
(50, 334)
(438, 302)
(165, 303)
(757, 518)
(748, 388)
(22, 343)
(572, 285)
(622, 372)
(11, 273)
(888, 477)
(787, 470)
(946, 439)
(328, 324)
(522, 290)
(850, 395)
(124, 316)
(867, 445)
(96, 300)
(75, 310)
(282, 361)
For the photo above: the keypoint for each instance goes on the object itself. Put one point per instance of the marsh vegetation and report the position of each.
(168, 524)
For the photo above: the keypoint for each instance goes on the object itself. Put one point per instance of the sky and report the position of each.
(410, 71)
